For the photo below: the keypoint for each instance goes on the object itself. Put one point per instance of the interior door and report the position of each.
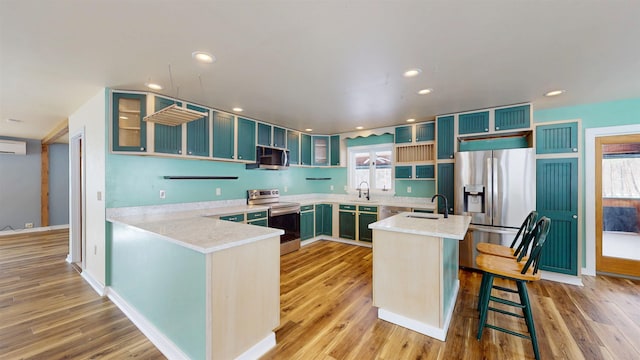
(617, 178)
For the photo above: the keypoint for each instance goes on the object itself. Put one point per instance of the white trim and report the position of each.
(411, 324)
(33, 230)
(95, 284)
(164, 344)
(590, 186)
(260, 348)
(68, 259)
(586, 271)
(562, 278)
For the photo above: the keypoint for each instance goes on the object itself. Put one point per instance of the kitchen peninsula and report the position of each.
(203, 287)
(415, 270)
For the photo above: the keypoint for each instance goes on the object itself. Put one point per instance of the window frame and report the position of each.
(351, 168)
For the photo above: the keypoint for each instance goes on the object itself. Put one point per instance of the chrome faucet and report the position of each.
(360, 190)
(446, 204)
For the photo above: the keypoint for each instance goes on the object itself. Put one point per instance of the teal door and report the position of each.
(446, 137)
(557, 198)
(167, 139)
(557, 138)
(473, 123)
(129, 130)
(306, 225)
(426, 131)
(404, 172)
(425, 172)
(445, 186)
(246, 139)
(305, 149)
(517, 117)
(198, 134)
(403, 135)
(279, 137)
(293, 144)
(347, 224)
(264, 134)
(364, 219)
(223, 135)
(335, 150)
(324, 222)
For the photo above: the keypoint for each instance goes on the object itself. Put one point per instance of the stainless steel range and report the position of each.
(282, 215)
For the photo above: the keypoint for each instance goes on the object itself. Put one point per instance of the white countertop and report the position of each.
(454, 227)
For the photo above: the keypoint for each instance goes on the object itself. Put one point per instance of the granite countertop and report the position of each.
(454, 227)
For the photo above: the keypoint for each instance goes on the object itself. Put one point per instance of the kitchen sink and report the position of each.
(423, 216)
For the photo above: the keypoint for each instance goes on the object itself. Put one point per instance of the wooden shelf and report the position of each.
(174, 116)
(415, 153)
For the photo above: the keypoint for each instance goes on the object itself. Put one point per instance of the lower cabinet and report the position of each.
(324, 219)
(347, 219)
(366, 216)
(306, 222)
(260, 222)
(445, 185)
(258, 218)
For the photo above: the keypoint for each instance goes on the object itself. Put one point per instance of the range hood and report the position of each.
(268, 158)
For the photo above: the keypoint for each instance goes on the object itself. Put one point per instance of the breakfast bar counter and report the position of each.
(415, 270)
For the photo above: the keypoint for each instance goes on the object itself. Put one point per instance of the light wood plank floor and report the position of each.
(47, 311)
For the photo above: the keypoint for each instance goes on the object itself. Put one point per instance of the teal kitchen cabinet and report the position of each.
(320, 150)
(246, 139)
(233, 217)
(557, 198)
(264, 134)
(347, 222)
(425, 131)
(279, 137)
(223, 135)
(305, 149)
(198, 133)
(513, 118)
(335, 150)
(445, 185)
(557, 138)
(366, 216)
(129, 129)
(257, 215)
(293, 144)
(425, 172)
(306, 222)
(404, 134)
(166, 139)
(404, 172)
(446, 137)
(324, 219)
(471, 123)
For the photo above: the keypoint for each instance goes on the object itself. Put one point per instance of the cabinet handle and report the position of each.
(575, 216)
(190, 152)
(497, 128)
(574, 149)
(141, 149)
(451, 156)
(179, 151)
(485, 130)
(233, 156)
(240, 157)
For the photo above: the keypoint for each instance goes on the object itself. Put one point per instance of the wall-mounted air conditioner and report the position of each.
(13, 147)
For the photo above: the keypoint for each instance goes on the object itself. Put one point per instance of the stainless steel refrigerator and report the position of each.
(497, 188)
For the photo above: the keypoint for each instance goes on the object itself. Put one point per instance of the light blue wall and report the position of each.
(615, 113)
(20, 187)
(137, 180)
(58, 184)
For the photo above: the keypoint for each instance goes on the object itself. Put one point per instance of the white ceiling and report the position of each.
(329, 65)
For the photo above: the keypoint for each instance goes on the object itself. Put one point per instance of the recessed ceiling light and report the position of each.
(153, 86)
(411, 120)
(237, 109)
(203, 57)
(359, 127)
(425, 91)
(555, 92)
(308, 129)
(412, 72)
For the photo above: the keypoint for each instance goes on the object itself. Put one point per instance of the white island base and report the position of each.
(415, 271)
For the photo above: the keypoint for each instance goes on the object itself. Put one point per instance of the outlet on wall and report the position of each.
(408, 189)
(286, 189)
(331, 187)
(163, 194)
(28, 225)
(218, 191)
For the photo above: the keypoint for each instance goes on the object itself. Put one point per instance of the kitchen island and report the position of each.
(415, 270)
(198, 287)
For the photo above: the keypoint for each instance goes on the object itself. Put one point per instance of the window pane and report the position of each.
(383, 175)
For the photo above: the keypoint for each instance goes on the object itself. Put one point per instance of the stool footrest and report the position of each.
(511, 332)
(507, 302)
(505, 289)
(506, 312)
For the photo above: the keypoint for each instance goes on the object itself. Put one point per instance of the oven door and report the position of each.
(289, 222)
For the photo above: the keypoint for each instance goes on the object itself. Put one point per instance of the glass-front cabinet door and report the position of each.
(129, 130)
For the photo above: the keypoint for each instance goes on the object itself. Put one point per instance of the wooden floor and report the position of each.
(47, 311)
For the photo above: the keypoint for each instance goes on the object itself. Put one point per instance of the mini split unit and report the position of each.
(13, 147)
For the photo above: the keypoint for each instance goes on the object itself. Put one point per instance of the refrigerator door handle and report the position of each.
(488, 196)
(494, 189)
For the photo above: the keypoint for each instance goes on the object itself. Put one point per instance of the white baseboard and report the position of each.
(166, 346)
(32, 230)
(68, 259)
(259, 349)
(563, 278)
(590, 272)
(95, 284)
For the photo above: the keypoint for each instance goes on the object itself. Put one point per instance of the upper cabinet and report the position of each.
(293, 145)
(477, 122)
(129, 130)
(335, 150)
(493, 122)
(198, 134)
(415, 133)
(264, 134)
(557, 138)
(279, 137)
(512, 118)
(446, 138)
(246, 139)
(272, 136)
(305, 149)
(223, 135)
(320, 150)
(404, 134)
(425, 131)
(167, 139)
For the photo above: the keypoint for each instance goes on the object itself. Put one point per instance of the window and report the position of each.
(372, 164)
(621, 176)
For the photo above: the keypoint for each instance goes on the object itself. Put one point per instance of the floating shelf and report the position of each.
(201, 177)
(318, 178)
(174, 116)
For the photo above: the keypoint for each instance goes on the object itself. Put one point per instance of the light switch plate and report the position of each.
(163, 194)
(218, 191)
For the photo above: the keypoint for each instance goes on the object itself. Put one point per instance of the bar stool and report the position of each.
(518, 271)
(512, 250)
